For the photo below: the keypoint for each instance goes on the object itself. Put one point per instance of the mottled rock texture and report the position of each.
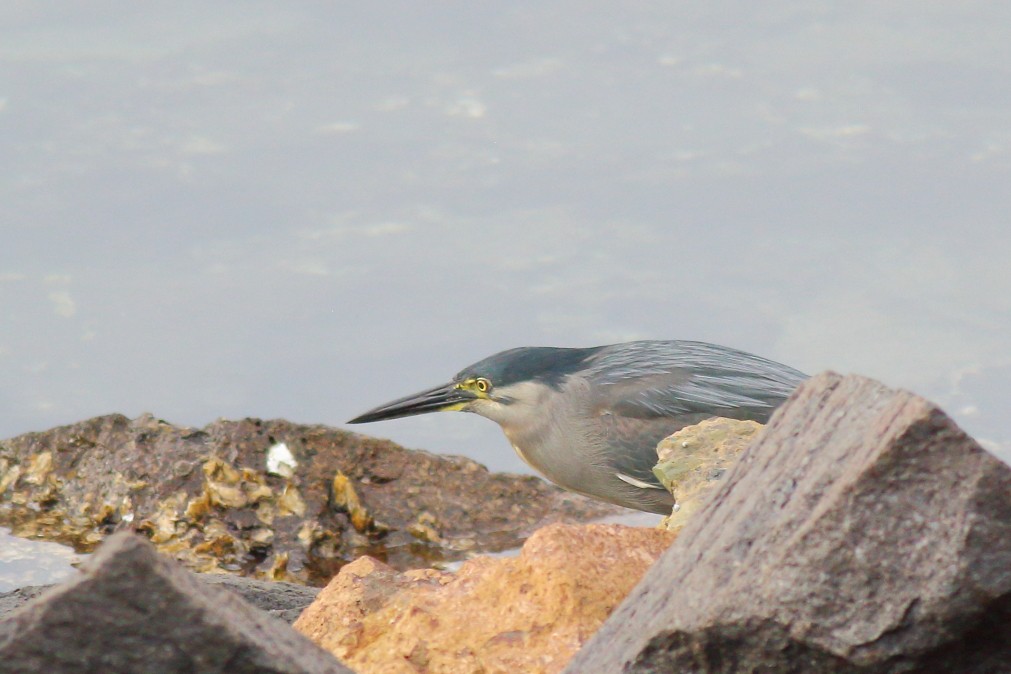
(19, 597)
(133, 611)
(206, 496)
(523, 614)
(693, 460)
(862, 532)
(281, 600)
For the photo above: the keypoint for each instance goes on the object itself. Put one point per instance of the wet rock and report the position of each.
(16, 598)
(862, 531)
(271, 499)
(281, 600)
(523, 614)
(133, 611)
(693, 460)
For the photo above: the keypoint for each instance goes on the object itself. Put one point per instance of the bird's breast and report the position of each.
(552, 453)
(516, 440)
(519, 451)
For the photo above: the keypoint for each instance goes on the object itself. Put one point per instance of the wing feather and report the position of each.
(667, 379)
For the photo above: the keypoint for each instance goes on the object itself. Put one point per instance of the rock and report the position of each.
(132, 611)
(863, 531)
(524, 614)
(281, 600)
(19, 597)
(270, 499)
(693, 460)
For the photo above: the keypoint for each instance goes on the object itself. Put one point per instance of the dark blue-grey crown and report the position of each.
(545, 364)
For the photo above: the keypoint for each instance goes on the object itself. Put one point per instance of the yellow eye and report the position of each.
(482, 385)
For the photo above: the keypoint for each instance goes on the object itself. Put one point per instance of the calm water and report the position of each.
(24, 562)
(305, 210)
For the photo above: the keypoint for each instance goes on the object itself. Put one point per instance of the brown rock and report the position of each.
(133, 611)
(863, 531)
(523, 614)
(218, 499)
(693, 460)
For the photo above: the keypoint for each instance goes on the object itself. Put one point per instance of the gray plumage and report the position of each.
(589, 419)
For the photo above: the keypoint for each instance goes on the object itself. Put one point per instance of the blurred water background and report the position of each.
(302, 210)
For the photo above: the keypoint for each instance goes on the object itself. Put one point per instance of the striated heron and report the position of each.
(589, 419)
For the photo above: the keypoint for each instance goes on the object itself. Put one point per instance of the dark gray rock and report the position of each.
(133, 611)
(17, 598)
(281, 600)
(863, 531)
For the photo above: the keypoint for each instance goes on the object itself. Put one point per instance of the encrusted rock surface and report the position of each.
(863, 531)
(523, 614)
(226, 497)
(133, 611)
(693, 460)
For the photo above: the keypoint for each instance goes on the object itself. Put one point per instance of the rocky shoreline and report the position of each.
(860, 531)
(268, 499)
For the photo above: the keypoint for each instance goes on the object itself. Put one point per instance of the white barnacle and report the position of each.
(280, 460)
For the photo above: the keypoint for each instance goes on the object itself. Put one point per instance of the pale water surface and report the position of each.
(24, 562)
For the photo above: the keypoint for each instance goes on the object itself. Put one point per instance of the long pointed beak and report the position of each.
(441, 398)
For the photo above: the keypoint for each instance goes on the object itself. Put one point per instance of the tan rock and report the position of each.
(693, 460)
(529, 613)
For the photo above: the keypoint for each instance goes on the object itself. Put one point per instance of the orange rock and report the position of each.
(529, 613)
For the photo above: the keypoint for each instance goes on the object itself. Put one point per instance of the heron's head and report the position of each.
(506, 387)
